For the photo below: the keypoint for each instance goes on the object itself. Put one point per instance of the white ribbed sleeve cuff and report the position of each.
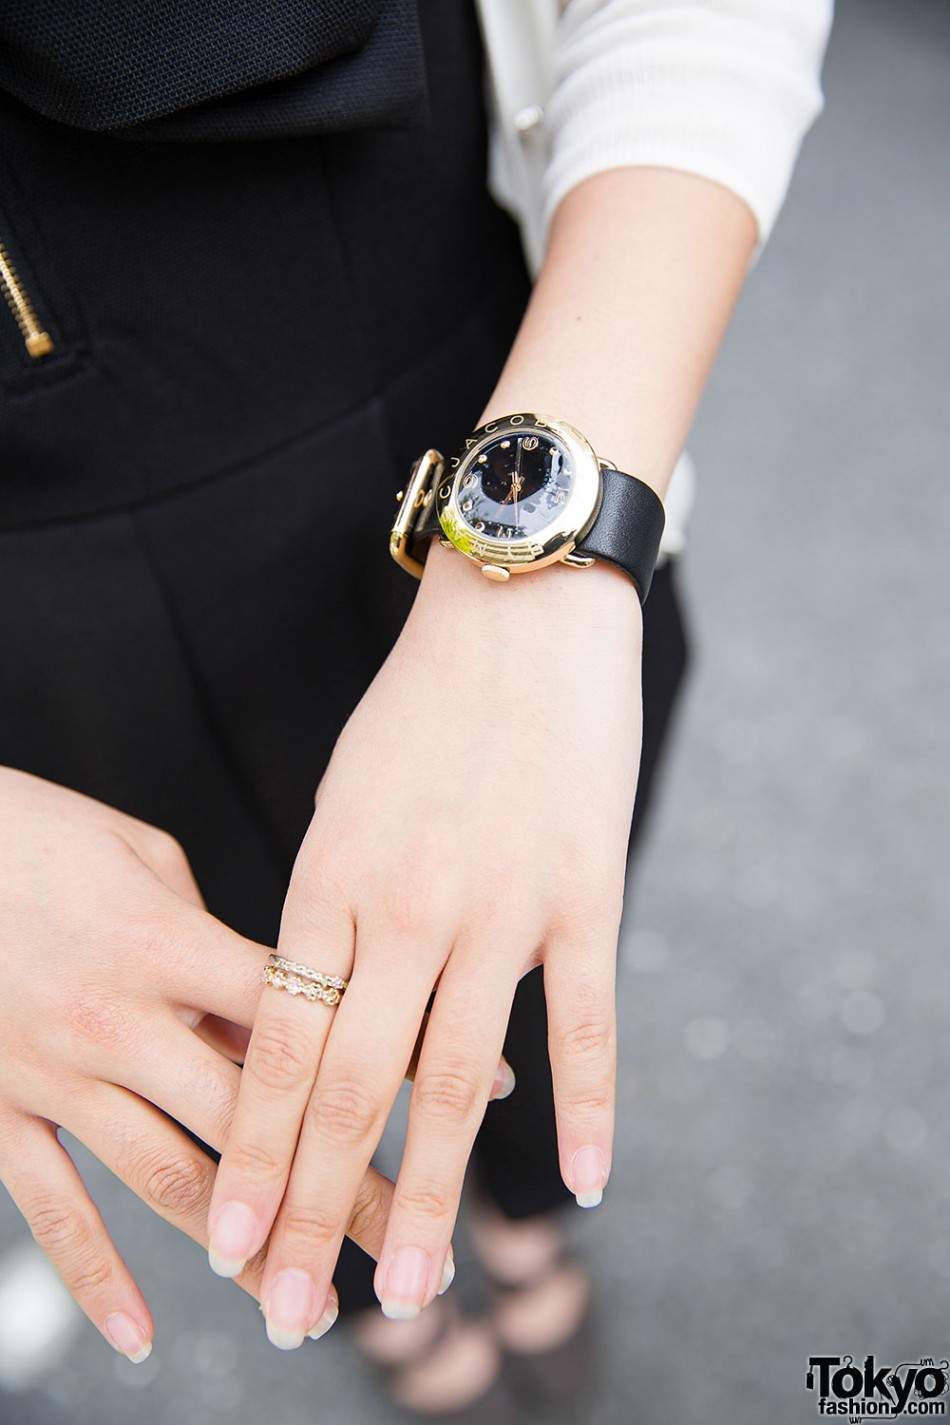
(722, 88)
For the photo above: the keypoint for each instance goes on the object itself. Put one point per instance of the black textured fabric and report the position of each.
(211, 302)
(215, 69)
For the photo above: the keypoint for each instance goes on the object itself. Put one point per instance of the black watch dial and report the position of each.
(516, 486)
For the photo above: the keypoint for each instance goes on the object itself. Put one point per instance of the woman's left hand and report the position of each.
(472, 824)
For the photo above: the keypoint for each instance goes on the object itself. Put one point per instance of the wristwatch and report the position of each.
(524, 491)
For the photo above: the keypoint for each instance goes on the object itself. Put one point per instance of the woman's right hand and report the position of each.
(117, 990)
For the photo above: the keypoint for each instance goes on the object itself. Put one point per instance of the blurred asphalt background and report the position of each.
(781, 1183)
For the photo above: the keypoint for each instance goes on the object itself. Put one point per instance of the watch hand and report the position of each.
(516, 480)
(516, 483)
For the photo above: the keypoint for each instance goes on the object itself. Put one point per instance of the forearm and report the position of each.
(643, 268)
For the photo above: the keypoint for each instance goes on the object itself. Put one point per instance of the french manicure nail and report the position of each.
(326, 1320)
(589, 1173)
(289, 1309)
(232, 1239)
(405, 1287)
(504, 1082)
(127, 1338)
(448, 1273)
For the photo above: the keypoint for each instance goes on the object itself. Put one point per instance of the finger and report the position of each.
(283, 1054)
(582, 1043)
(44, 1183)
(503, 1083)
(171, 1174)
(231, 1041)
(452, 1085)
(145, 1150)
(363, 1065)
(175, 1070)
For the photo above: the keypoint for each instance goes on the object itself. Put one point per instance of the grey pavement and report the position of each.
(781, 1183)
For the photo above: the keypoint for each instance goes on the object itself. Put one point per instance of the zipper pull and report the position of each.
(37, 341)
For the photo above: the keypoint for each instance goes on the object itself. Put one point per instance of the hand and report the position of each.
(472, 824)
(123, 1001)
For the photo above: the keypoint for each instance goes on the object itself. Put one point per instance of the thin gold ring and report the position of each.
(298, 979)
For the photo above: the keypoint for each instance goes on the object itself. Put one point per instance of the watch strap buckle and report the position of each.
(413, 504)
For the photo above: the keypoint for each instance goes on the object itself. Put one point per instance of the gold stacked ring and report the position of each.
(298, 979)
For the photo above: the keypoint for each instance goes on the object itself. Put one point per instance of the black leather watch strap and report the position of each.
(626, 530)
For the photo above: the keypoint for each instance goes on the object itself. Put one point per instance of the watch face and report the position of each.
(516, 487)
(519, 492)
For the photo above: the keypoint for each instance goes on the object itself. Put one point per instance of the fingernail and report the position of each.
(448, 1273)
(588, 1174)
(232, 1239)
(405, 1288)
(289, 1310)
(504, 1082)
(127, 1338)
(326, 1320)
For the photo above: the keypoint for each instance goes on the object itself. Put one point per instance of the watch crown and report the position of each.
(495, 572)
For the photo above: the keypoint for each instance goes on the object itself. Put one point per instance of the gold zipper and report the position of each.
(37, 341)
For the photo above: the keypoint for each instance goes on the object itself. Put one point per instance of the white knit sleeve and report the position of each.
(722, 88)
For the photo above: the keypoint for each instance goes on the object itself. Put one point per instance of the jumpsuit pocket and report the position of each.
(40, 326)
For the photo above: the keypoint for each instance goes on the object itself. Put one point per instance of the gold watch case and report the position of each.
(434, 478)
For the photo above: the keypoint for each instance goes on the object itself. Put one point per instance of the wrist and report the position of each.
(555, 594)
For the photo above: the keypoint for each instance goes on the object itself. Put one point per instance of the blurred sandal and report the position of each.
(541, 1307)
(443, 1366)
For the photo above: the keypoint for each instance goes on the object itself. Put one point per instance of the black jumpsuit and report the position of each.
(251, 341)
